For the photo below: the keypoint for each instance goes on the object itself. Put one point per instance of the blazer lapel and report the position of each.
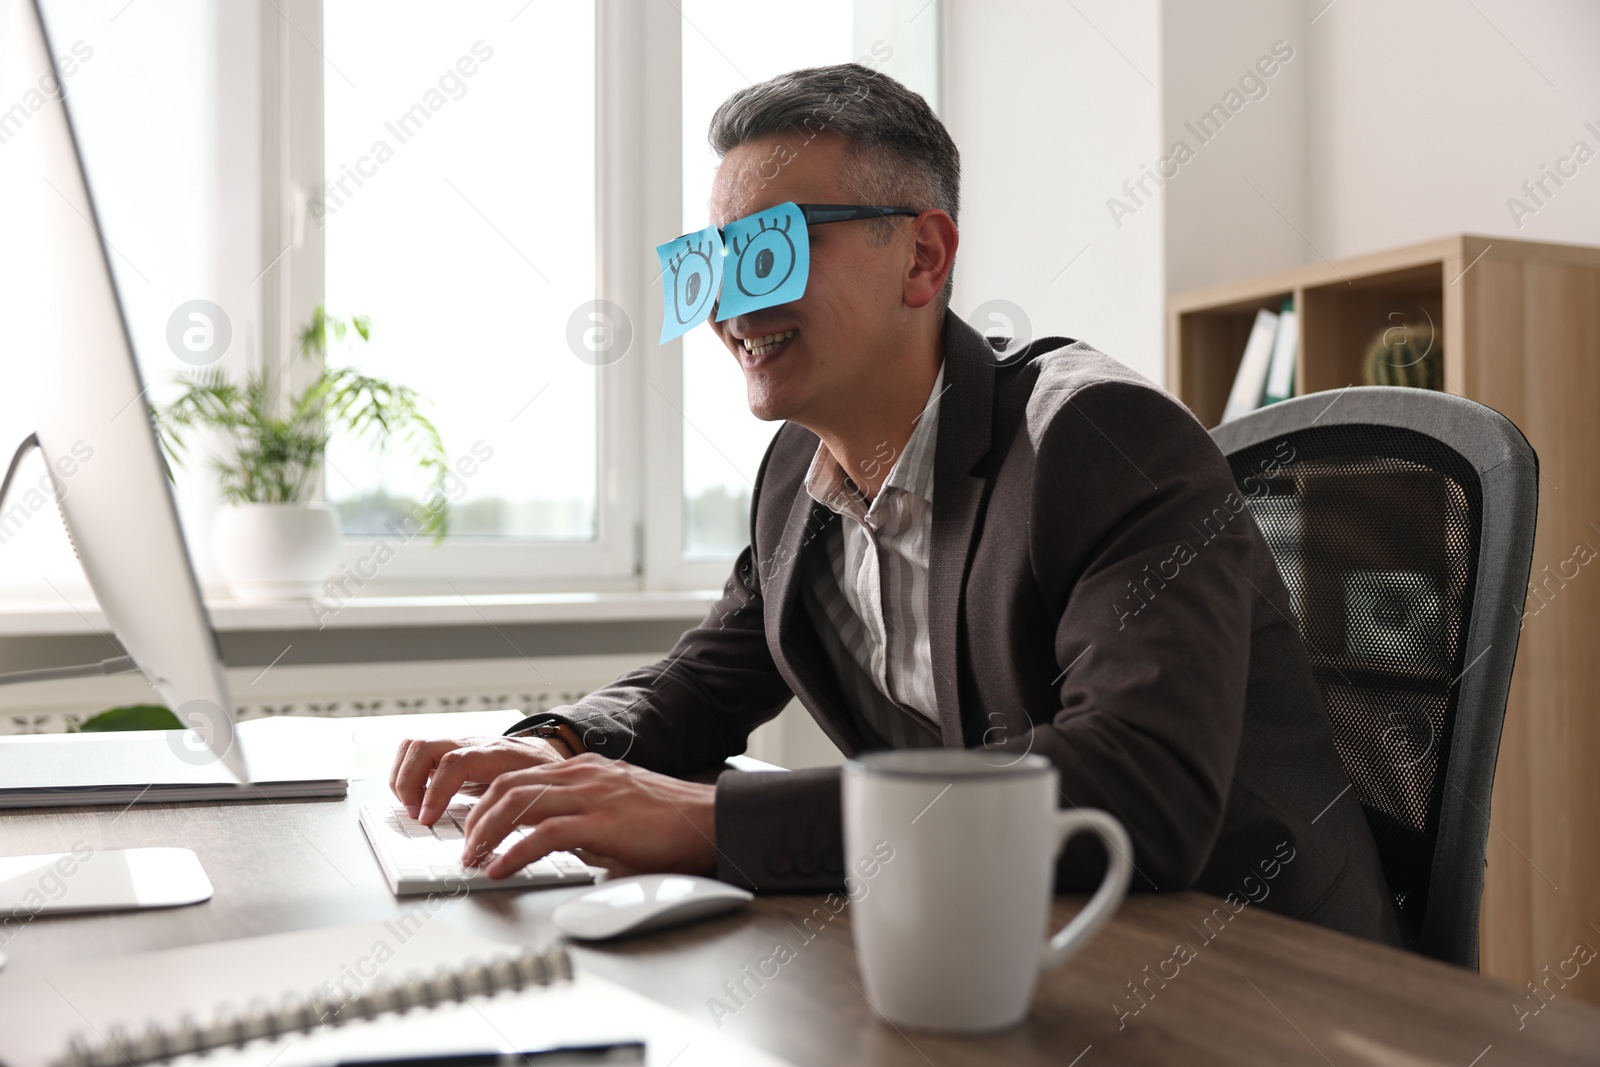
(966, 413)
(798, 651)
(965, 425)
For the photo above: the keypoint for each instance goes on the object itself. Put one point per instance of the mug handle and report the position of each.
(1119, 868)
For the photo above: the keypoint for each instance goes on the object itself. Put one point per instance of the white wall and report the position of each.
(1426, 117)
(1054, 105)
(1238, 200)
(1393, 123)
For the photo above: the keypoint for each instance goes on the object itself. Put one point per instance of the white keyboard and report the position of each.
(420, 859)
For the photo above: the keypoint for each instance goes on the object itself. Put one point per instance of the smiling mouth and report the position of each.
(760, 347)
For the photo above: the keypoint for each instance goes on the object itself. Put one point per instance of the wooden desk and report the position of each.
(1264, 990)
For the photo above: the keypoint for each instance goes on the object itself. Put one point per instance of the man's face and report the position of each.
(852, 307)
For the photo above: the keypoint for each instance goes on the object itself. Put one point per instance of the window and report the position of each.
(470, 177)
(537, 183)
(459, 214)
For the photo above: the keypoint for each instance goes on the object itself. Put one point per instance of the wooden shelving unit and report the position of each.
(1519, 323)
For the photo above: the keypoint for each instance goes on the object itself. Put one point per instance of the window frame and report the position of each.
(293, 165)
(638, 197)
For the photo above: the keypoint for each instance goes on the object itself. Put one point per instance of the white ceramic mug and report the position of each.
(950, 858)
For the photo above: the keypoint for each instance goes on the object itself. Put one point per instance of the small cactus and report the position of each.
(1408, 356)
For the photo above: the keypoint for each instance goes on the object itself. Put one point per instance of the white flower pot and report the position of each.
(276, 551)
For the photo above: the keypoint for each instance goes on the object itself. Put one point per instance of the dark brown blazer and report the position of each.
(1098, 593)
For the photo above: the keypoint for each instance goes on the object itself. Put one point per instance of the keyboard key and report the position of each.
(419, 859)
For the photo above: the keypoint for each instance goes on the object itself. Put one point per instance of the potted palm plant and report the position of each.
(272, 539)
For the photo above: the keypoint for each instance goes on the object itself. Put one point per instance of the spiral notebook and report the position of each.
(413, 986)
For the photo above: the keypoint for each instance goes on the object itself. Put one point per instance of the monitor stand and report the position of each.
(115, 665)
(28, 444)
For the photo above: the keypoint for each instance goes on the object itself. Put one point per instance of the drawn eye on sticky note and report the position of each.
(768, 260)
(691, 275)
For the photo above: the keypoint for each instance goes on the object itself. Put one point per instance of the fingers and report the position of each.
(561, 833)
(413, 765)
(451, 770)
(558, 771)
(479, 761)
(394, 768)
(503, 809)
(642, 820)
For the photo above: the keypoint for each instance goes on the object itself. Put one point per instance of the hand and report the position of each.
(426, 774)
(642, 820)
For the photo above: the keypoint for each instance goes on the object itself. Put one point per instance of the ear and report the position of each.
(933, 240)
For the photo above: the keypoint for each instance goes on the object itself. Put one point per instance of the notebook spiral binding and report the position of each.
(117, 1047)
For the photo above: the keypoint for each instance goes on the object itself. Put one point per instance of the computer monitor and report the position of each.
(64, 338)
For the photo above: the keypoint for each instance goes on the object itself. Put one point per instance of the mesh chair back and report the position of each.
(1402, 522)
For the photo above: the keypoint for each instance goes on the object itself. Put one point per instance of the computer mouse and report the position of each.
(645, 903)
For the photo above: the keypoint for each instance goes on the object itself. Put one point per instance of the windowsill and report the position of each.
(229, 615)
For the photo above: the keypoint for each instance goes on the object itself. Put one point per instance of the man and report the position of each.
(1029, 551)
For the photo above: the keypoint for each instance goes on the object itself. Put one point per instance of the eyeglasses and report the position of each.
(767, 255)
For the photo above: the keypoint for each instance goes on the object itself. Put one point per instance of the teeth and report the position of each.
(760, 346)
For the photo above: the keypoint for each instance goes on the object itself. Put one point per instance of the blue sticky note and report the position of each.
(768, 260)
(691, 274)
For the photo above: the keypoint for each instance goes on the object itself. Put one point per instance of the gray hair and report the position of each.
(901, 154)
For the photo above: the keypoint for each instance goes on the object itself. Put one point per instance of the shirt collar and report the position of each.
(913, 470)
(827, 484)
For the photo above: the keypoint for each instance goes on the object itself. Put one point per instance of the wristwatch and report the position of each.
(558, 733)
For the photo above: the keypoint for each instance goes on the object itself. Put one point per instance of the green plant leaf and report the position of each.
(273, 455)
(313, 336)
(132, 717)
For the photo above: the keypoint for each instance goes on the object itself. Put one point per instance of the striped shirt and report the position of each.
(867, 588)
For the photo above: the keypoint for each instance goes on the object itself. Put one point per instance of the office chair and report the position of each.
(1402, 521)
